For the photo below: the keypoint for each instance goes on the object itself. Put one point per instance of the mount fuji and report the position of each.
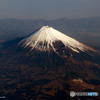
(49, 43)
(45, 39)
(47, 65)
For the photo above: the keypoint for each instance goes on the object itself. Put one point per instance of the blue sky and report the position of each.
(49, 9)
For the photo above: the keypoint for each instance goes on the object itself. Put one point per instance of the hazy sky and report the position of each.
(49, 9)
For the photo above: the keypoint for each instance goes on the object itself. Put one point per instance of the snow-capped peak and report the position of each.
(44, 39)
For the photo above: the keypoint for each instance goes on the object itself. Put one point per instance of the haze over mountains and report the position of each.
(86, 30)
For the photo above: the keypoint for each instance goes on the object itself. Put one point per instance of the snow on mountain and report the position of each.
(45, 38)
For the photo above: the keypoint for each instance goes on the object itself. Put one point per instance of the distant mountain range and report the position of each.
(86, 30)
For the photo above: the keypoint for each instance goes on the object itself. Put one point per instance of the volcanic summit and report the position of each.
(45, 39)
